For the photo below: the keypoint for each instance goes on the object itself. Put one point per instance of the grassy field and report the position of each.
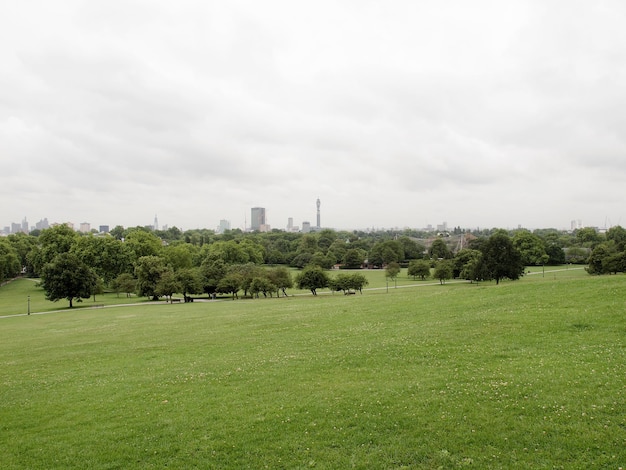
(527, 374)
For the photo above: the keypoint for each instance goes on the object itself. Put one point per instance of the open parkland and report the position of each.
(408, 374)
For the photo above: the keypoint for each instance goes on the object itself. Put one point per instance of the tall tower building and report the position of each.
(257, 220)
(156, 223)
(318, 203)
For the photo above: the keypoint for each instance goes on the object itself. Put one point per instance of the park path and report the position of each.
(423, 284)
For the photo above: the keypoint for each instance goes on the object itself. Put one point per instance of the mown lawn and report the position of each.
(527, 374)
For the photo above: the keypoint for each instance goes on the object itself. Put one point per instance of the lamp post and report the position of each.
(29, 304)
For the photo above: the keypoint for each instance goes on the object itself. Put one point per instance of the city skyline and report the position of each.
(225, 224)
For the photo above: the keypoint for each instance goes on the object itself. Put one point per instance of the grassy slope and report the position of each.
(528, 374)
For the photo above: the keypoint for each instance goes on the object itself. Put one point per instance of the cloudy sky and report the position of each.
(393, 113)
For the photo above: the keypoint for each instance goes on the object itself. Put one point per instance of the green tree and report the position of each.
(67, 277)
(263, 285)
(141, 243)
(606, 258)
(443, 271)
(107, 256)
(439, 250)
(23, 245)
(10, 265)
(312, 278)
(178, 256)
(556, 254)
(148, 271)
(212, 271)
(230, 284)
(354, 258)
(281, 278)
(411, 248)
(301, 260)
(618, 235)
(466, 263)
(419, 268)
(385, 252)
(348, 282)
(587, 236)
(190, 282)
(52, 242)
(357, 281)
(322, 260)
(531, 248)
(168, 284)
(126, 283)
(325, 239)
(392, 270)
(500, 259)
(577, 255)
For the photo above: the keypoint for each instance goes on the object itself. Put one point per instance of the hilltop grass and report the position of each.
(527, 374)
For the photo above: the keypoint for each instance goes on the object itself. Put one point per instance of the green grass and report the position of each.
(527, 374)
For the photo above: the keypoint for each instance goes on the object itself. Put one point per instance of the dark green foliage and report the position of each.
(281, 278)
(439, 250)
(67, 277)
(443, 270)
(190, 281)
(212, 272)
(148, 272)
(348, 283)
(419, 268)
(466, 264)
(51, 242)
(607, 258)
(167, 284)
(10, 265)
(261, 284)
(392, 270)
(312, 278)
(230, 284)
(353, 259)
(500, 260)
(126, 283)
(385, 252)
(531, 248)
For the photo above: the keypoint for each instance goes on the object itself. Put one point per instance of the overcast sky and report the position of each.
(394, 113)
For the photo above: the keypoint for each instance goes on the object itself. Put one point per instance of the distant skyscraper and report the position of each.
(42, 224)
(318, 212)
(224, 225)
(85, 227)
(257, 220)
(290, 224)
(156, 223)
(306, 227)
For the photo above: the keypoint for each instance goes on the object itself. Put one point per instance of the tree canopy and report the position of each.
(67, 277)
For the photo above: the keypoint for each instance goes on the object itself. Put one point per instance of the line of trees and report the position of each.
(161, 263)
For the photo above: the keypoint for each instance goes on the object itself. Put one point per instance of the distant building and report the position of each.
(85, 227)
(103, 229)
(16, 228)
(42, 224)
(25, 225)
(224, 225)
(156, 223)
(318, 204)
(257, 219)
(306, 227)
